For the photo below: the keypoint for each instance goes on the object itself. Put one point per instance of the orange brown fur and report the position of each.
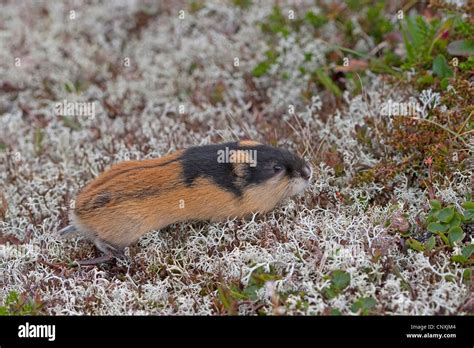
(123, 223)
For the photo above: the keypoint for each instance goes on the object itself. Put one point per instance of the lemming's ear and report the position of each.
(249, 143)
(240, 161)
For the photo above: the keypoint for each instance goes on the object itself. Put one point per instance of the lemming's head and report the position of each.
(276, 165)
(238, 166)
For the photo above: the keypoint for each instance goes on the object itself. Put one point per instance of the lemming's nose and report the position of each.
(306, 172)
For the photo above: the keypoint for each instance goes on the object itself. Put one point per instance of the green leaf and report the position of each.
(276, 22)
(261, 69)
(327, 82)
(456, 221)
(430, 243)
(459, 259)
(226, 300)
(466, 275)
(432, 216)
(38, 140)
(467, 65)
(444, 83)
(12, 298)
(455, 234)
(441, 67)
(446, 214)
(330, 293)
(435, 204)
(244, 4)
(271, 55)
(415, 32)
(463, 48)
(408, 46)
(70, 122)
(468, 205)
(425, 81)
(443, 237)
(69, 87)
(437, 227)
(340, 279)
(365, 304)
(468, 250)
(316, 21)
(468, 215)
(415, 245)
(249, 292)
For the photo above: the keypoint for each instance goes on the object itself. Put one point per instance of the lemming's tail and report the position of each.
(68, 231)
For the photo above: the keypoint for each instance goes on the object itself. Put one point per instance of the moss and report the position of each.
(232, 294)
(196, 6)
(21, 304)
(409, 141)
(243, 4)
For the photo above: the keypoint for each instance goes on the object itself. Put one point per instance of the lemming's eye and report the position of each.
(277, 168)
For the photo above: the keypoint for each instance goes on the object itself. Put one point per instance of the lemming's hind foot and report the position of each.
(109, 248)
(111, 252)
(96, 260)
(109, 256)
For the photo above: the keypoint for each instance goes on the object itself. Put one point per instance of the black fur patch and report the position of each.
(202, 162)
